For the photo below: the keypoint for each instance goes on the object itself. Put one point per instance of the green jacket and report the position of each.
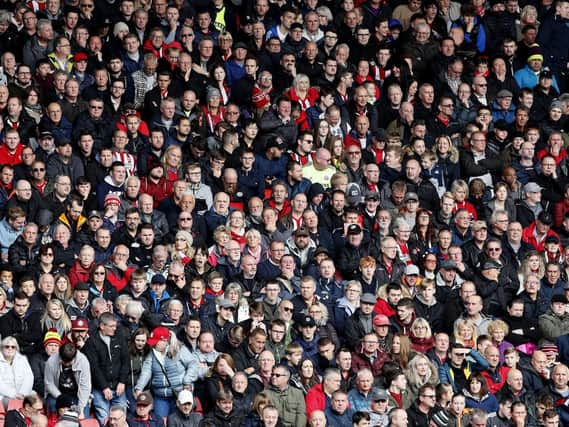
(290, 404)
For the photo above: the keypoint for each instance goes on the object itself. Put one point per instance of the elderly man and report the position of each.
(360, 396)
(288, 400)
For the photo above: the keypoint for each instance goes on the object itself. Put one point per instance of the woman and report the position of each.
(528, 16)
(501, 202)
(213, 110)
(302, 93)
(401, 349)
(447, 159)
(465, 333)
(225, 41)
(5, 305)
(477, 394)
(335, 146)
(32, 104)
(424, 235)
(254, 247)
(498, 329)
(254, 417)
(236, 227)
(218, 379)
(217, 77)
(172, 161)
(532, 263)
(182, 249)
(321, 134)
(460, 191)
(420, 371)
(242, 394)
(56, 318)
(306, 377)
(198, 266)
(221, 236)
(99, 286)
(429, 264)
(63, 289)
(421, 336)
(166, 370)
(138, 350)
(16, 376)
(324, 328)
(45, 264)
(234, 293)
(348, 304)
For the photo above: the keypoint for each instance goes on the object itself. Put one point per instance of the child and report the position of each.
(432, 171)
(293, 355)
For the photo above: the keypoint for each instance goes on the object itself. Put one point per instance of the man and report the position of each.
(107, 352)
(221, 322)
(225, 412)
(360, 323)
(456, 369)
(360, 396)
(339, 413)
(24, 326)
(319, 171)
(23, 253)
(184, 414)
(555, 322)
(247, 355)
(420, 411)
(398, 418)
(143, 411)
(428, 196)
(514, 389)
(288, 400)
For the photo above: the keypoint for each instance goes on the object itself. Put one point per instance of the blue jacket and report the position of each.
(528, 78)
(175, 369)
(234, 71)
(276, 167)
(8, 235)
(479, 364)
(489, 402)
(498, 113)
(339, 420)
(477, 36)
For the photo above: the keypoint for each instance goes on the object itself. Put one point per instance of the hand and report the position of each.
(136, 393)
(81, 415)
(107, 392)
(120, 389)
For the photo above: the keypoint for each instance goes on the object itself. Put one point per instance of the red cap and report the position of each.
(80, 324)
(350, 141)
(381, 320)
(175, 45)
(158, 334)
(80, 56)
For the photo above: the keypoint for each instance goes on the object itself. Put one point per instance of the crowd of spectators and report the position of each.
(260, 213)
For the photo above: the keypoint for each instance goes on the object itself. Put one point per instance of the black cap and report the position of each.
(559, 298)
(275, 142)
(306, 321)
(381, 135)
(158, 278)
(81, 286)
(296, 26)
(552, 239)
(321, 250)
(240, 45)
(448, 264)
(354, 229)
(501, 124)
(545, 218)
(62, 142)
(491, 264)
(63, 401)
(46, 134)
(374, 195)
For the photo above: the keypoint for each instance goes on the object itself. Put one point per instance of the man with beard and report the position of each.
(156, 184)
(64, 162)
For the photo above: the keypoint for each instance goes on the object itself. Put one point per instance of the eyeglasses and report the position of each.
(48, 254)
(494, 249)
(88, 6)
(38, 170)
(99, 272)
(274, 374)
(430, 396)
(185, 219)
(9, 346)
(288, 309)
(96, 107)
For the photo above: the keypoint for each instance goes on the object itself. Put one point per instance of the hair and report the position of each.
(414, 379)
(468, 323)
(483, 384)
(405, 349)
(63, 325)
(215, 365)
(497, 325)
(132, 347)
(420, 321)
(261, 399)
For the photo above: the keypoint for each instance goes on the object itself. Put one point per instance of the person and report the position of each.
(288, 400)
(184, 415)
(107, 349)
(31, 405)
(16, 379)
(143, 412)
(166, 369)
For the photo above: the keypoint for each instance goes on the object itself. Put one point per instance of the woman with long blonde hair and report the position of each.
(56, 318)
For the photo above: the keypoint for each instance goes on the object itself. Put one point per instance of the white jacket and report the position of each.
(16, 378)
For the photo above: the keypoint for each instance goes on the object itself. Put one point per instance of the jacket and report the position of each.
(26, 330)
(316, 400)
(219, 419)
(8, 235)
(488, 402)
(15, 378)
(552, 326)
(166, 379)
(290, 404)
(177, 419)
(153, 421)
(478, 364)
(354, 330)
(19, 252)
(81, 370)
(107, 370)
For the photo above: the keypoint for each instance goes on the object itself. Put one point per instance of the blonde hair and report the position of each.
(63, 325)
(460, 323)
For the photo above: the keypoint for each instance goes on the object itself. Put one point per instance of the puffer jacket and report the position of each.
(166, 379)
(15, 378)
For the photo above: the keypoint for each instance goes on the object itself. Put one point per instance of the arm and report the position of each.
(25, 387)
(51, 376)
(480, 363)
(83, 380)
(145, 373)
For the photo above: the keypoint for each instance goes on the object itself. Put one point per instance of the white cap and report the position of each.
(186, 396)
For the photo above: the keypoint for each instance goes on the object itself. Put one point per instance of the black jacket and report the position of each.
(26, 330)
(107, 370)
(354, 329)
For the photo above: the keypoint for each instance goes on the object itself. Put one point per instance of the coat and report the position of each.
(290, 404)
(552, 326)
(81, 371)
(16, 378)
(479, 364)
(107, 370)
(168, 378)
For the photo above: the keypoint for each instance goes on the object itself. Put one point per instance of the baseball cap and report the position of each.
(306, 321)
(381, 320)
(144, 398)
(411, 270)
(185, 396)
(354, 229)
(80, 324)
(158, 334)
(532, 187)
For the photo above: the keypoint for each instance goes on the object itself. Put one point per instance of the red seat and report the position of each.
(15, 404)
(89, 422)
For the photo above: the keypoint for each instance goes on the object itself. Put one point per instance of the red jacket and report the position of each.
(315, 400)
(383, 307)
(529, 237)
(361, 361)
(495, 381)
(160, 191)
(78, 274)
(11, 159)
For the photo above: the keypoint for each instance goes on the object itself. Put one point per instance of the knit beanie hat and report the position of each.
(51, 336)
